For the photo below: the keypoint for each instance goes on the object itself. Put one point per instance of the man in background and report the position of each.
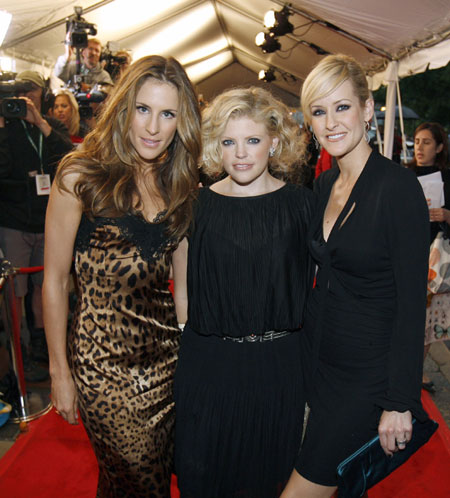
(30, 149)
(91, 71)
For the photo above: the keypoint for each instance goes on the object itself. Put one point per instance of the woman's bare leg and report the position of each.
(299, 487)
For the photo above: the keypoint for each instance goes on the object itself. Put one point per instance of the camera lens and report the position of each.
(12, 107)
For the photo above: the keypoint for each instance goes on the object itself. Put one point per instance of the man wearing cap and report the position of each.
(30, 149)
(90, 69)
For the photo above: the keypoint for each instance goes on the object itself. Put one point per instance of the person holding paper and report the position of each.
(431, 167)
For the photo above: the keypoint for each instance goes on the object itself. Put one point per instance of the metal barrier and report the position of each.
(30, 405)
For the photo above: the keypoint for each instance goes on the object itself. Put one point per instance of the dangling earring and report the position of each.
(366, 131)
(271, 151)
(316, 142)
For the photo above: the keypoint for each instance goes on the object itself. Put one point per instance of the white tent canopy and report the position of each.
(215, 39)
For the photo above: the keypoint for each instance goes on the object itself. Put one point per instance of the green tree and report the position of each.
(427, 93)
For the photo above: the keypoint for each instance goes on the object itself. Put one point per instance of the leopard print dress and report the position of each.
(123, 348)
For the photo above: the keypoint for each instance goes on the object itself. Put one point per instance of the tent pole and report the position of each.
(389, 117)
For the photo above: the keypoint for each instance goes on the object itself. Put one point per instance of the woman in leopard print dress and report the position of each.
(121, 203)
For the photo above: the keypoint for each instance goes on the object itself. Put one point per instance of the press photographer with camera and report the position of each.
(90, 69)
(30, 147)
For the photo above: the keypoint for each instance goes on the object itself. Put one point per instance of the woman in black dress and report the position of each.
(430, 158)
(238, 387)
(364, 324)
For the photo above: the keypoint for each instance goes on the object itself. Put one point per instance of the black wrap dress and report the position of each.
(364, 326)
(240, 404)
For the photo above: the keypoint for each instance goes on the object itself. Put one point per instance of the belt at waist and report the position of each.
(270, 335)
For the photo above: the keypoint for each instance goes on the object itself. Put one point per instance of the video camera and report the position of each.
(79, 29)
(10, 105)
(112, 61)
(85, 99)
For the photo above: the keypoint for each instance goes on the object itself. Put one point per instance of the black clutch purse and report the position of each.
(370, 464)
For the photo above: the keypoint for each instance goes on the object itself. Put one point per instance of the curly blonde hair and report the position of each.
(108, 163)
(262, 107)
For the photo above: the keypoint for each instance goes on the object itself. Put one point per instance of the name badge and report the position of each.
(43, 184)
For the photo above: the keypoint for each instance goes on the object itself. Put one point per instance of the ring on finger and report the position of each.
(401, 442)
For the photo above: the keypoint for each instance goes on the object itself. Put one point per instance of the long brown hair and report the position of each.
(107, 163)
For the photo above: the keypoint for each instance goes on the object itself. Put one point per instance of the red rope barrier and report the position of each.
(31, 269)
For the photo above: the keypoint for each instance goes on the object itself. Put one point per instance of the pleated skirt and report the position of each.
(239, 416)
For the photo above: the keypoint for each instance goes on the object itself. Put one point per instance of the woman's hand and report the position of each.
(440, 215)
(395, 431)
(64, 398)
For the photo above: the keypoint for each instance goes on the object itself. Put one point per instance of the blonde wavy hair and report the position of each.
(327, 75)
(262, 107)
(74, 126)
(108, 164)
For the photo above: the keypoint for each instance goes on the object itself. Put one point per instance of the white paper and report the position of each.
(433, 188)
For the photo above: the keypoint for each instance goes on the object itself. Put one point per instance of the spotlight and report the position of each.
(267, 75)
(267, 42)
(277, 22)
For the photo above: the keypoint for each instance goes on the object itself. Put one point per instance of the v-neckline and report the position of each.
(346, 208)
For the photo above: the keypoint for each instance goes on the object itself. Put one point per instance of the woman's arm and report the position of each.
(61, 225)
(179, 265)
(407, 222)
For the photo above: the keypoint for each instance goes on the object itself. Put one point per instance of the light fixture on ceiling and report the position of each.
(267, 42)
(5, 20)
(267, 75)
(278, 22)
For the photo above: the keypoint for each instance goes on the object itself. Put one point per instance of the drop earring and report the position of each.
(271, 151)
(316, 142)
(366, 131)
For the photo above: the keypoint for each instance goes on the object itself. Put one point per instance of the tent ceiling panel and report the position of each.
(208, 35)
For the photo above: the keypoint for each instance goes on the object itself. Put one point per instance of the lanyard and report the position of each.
(38, 150)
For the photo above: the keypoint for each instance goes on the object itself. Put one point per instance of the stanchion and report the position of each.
(29, 406)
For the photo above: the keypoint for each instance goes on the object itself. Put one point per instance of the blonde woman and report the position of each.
(239, 386)
(364, 325)
(65, 109)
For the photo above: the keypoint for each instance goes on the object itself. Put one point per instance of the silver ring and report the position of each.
(401, 442)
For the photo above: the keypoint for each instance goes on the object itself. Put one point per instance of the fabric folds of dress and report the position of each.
(240, 405)
(363, 340)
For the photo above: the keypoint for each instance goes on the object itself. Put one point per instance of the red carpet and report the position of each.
(54, 460)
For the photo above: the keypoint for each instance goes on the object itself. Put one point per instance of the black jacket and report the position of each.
(20, 206)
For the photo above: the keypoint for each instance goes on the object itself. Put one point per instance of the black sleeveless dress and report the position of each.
(364, 328)
(240, 405)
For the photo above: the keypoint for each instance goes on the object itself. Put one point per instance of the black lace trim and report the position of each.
(150, 239)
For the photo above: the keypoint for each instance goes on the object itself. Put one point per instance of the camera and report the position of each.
(84, 102)
(113, 58)
(10, 105)
(79, 29)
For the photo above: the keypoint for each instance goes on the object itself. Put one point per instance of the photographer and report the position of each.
(30, 148)
(90, 70)
(116, 64)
